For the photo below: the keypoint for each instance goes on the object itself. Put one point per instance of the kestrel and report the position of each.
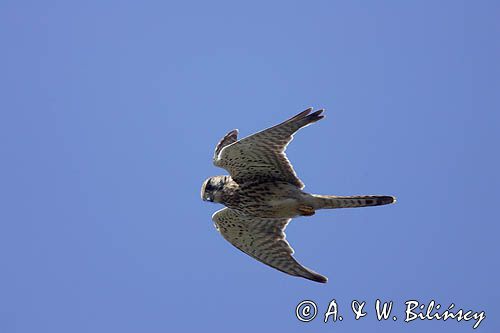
(263, 193)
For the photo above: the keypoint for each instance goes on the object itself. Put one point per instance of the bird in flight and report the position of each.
(262, 193)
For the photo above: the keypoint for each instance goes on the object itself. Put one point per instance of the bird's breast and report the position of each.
(267, 199)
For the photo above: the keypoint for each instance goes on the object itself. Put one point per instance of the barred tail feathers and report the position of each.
(331, 201)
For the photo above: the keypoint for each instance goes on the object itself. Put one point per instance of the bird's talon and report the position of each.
(306, 210)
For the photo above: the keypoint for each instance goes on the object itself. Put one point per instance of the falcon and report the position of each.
(262, 193)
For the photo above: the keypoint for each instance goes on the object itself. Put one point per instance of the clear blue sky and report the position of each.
(109, 113)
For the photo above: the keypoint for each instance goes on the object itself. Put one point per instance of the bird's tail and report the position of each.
(331, 201)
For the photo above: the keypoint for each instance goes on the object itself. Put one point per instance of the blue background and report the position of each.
(110, 112)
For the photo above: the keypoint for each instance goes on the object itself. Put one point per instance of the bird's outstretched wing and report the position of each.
(261, 156)
(263, 239)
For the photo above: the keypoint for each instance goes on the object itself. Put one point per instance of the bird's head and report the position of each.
(211, 190)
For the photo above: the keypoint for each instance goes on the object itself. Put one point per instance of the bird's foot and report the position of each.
(305, 210)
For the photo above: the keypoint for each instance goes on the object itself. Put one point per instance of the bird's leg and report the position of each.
(306, 210)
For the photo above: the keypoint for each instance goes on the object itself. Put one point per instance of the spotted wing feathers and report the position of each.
(262, 239)
(261, 156)
(229, 138)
